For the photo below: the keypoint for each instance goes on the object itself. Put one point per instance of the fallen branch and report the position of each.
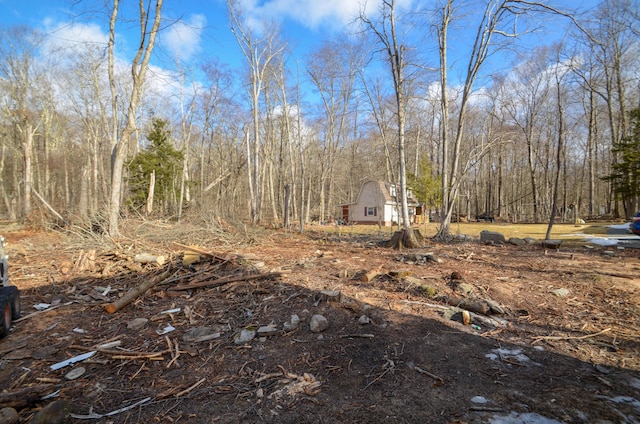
(588, 336)
(226, 280)
(24, 397)
(109, 414)
(439, 380)
(202, 252)
(191, 388)
(356, 336)
(36, 313)
(135, 292)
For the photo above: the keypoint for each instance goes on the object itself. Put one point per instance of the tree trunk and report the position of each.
(408, 238)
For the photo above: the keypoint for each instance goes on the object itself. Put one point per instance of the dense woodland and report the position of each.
(467, 100)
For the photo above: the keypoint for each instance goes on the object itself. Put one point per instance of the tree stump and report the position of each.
(406, 238)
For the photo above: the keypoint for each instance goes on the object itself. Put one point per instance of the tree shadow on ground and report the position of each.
(372, 364)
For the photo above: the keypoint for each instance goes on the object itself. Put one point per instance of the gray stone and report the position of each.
(517, 241)
(54, 413)
(560, 292)
(530, 240)
(267, 330)
(551, 244)
(75, 373)
(137, 323)
(293, 324)
(245, 336)
(201, 334)
(318, 323)
(364, 320)
(491, 237)
(9, 416)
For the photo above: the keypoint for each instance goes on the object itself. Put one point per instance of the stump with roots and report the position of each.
(406, 238)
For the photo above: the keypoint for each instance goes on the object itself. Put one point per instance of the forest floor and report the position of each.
(565, 349)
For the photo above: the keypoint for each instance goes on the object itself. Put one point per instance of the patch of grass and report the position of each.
(563, 231)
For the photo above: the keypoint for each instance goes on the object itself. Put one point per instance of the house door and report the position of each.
(345, 213)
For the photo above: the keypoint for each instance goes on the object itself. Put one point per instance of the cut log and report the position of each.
(133, 294)
(370, 275)
(330, 295)
(226, 280)
(478, 307)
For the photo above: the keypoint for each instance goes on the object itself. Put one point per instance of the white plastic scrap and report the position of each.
(73, 360)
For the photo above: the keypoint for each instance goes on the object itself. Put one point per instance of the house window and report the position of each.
(370, 211)
(392, 191)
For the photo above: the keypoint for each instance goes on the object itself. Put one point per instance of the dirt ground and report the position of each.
(566, 348)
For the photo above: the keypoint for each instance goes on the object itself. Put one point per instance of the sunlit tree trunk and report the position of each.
(139, 68)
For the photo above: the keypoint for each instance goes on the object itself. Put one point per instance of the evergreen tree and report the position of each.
(625, 175)
(159, 157)
(425, 186)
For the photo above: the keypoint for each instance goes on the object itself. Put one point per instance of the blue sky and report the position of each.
(203, 28)
(200, 28)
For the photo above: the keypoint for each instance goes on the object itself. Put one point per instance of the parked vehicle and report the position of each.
(635, 224)
(9, 295)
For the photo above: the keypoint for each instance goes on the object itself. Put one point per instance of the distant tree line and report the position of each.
(500, 127)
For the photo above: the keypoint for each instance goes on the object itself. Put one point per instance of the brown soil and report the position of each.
(394, 351)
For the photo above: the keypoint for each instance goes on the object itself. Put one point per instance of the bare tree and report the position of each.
(258, 52)
(139, 68)
(499, 18)
(385, 30)
(19, 77)
(333, 69)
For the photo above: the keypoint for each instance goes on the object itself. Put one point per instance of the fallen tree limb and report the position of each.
(133, 294)
(24, 397)
(31, 315)
(588, 336)
(226, 280)
(439, 380)
(201, 251)
(191, 388)
(95, 416)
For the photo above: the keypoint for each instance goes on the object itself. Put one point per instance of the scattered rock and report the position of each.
(364, 320)
(517, 241)
(492, 237)
(530, 240)
(245, 336)
(318, 323)
(54, 413)
(137, 323)
(293, 324)
(560, 292)
(551, 244)
(419, 258)
(201, 334)
(75, 373)
(609, 253)
(480, 400)
(267, 330)
(9, 416)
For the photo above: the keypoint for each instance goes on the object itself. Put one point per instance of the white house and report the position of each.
(378, 203)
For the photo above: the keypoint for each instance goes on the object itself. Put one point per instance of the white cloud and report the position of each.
(70, 39)
(312, 13)
(183, 37)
